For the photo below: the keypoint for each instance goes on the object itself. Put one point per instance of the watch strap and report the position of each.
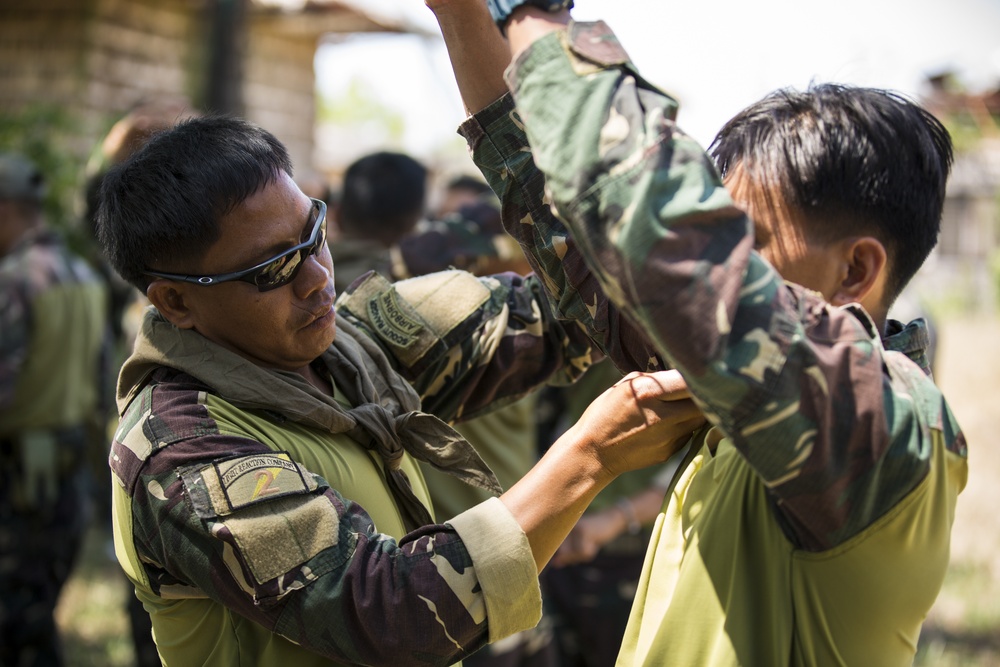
(501, 10)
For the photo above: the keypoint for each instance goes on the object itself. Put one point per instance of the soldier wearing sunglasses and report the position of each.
(267, 502)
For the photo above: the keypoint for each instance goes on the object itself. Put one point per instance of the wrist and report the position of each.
(446, 5)
(578, 445)
(501, 10)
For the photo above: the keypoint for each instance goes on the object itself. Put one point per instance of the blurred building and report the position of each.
(98, 58)
(964, 269)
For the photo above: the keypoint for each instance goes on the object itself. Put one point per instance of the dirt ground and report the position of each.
(964, 625)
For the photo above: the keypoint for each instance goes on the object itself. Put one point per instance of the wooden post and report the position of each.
(227, 36)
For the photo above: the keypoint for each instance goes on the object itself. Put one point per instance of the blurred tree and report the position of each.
(44, 134)
(360, 107)
(969, 117)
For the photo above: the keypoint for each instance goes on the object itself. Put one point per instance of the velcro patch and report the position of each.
(391, 321)
(277, 538)
(417, 318)
(243, 481)
(267, 503)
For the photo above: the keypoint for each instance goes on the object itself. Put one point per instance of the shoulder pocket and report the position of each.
(268, 505)
(420, 318)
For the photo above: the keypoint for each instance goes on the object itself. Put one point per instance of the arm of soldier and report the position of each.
(798, 386)
(308, 564)
(15, 328)
(477, 51)
(501, 151)
(479, 55)
(468, 344)
(640, 421)
(311, 567)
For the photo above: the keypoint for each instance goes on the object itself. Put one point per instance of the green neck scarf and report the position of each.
(387, 417)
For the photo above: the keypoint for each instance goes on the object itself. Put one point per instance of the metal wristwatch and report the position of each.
(502, 9)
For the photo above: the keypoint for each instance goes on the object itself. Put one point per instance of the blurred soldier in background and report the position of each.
(381, 200)
(470, 238)
(52, 328)
(460, 191)
(124, 311)
(126, 136)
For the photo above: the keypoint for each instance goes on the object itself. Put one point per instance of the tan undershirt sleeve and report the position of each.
(504, 566)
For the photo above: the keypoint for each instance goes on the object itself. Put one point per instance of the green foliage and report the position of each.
(41, 133)
(360, 107)
(966, 133)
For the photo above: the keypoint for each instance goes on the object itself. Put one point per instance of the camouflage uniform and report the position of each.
(810, 524)
(256, 517)
(354, 257)
(471, 239)
(51, 334)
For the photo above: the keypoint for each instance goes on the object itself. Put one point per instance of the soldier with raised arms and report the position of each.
(810, 523)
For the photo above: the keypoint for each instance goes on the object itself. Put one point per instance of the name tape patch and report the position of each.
(391, 322)
(248, 480)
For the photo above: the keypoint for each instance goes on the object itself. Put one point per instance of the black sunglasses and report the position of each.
(275, 272)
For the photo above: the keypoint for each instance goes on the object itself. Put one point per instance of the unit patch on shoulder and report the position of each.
(391, 321)
(243, 481)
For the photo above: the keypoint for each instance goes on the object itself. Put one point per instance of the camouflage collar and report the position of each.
(912, 339)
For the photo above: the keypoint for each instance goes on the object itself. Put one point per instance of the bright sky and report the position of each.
(716, 57)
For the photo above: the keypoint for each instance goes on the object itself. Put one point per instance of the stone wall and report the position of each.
(98, 58)
(279, 85)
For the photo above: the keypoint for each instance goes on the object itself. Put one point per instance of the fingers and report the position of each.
(663, 385)
(678, 412)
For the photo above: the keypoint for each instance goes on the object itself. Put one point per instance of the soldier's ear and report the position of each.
(170, 298)
(864, 272)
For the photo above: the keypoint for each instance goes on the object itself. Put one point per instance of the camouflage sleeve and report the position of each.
(303, 561)
(798, 386)
(15, 327)
(500, 149)
(469, 344)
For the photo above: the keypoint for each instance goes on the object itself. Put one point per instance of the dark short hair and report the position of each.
(851, 161)
(382, 196)
(163, 204)
(473, 184)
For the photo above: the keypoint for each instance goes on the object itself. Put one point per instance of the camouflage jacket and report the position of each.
(609, 183)
(472, 239)
(251, 530)
(51, 336)
(354, 257)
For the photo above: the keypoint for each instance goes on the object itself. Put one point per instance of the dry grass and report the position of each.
(963, 629)
(91, 612)
(964, 626)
